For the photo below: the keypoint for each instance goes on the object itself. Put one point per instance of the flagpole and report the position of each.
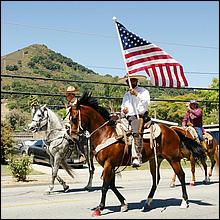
(126, 68)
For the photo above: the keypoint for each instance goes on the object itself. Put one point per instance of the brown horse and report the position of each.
(88, 115)
(211, 151)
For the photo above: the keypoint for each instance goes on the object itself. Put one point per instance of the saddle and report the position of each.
(150, 130)
(191, 133)
(208, 136)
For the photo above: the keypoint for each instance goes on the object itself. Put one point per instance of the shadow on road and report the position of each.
(156, 204)
(94, 188)
(197, 183)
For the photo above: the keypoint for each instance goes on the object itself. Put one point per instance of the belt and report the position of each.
(129, 116)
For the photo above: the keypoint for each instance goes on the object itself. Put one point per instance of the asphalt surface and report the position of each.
(29, 201)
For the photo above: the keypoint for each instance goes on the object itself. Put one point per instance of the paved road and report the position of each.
(31, 202)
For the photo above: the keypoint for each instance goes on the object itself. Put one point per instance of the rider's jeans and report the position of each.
(199, 132)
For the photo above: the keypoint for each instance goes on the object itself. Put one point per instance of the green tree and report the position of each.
(6, 142)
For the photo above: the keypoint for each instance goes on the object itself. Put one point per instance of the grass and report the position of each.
(166, 165)
(5, 171)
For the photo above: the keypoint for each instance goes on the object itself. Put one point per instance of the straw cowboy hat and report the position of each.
(71, 90)
(132, 76)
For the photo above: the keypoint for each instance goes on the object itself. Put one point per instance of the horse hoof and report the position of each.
(206, 181)
(96, 212)
(88, 188)
(192, 183)
(66, 188)
(184, 204)
(146, 208)
(47, 192)
(172, 185)
(124, 208)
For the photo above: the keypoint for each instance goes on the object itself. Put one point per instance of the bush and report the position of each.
(20, 167)
(12, 67)
(17, 119)
(6, 142)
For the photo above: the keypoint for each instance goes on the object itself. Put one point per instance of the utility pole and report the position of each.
(4, 65)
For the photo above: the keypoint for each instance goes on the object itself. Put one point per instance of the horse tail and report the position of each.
(193, 146)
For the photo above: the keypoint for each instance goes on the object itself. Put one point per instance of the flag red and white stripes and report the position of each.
(140, 55)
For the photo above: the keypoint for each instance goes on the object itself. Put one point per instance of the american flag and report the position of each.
(140, 55)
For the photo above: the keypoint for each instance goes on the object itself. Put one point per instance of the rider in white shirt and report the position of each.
(135, 102)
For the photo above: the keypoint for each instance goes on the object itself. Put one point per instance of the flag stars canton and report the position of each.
(130, 40)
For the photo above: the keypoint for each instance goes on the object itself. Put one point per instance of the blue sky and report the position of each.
(84, 31)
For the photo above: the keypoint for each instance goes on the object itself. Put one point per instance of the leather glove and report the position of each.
(133, 92)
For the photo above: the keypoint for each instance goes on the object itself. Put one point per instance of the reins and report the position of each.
(49, 141)
(88, 137)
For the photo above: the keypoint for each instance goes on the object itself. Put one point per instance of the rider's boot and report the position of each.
(137, 148)
(203, 144)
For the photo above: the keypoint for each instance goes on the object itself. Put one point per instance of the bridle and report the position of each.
(43, 121)
(79, 130)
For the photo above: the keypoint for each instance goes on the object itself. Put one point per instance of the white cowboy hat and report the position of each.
(71, 90)
(132, 76)
(193, 102)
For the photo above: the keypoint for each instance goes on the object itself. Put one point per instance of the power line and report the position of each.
(101, 35)
(97, 82)
(103, 97)
(119, 68)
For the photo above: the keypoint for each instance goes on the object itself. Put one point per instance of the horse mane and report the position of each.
(88, 100)
(54, 115)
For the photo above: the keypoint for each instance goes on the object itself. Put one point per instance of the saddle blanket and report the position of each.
(152, 132)
(107, 143)
(207, 136)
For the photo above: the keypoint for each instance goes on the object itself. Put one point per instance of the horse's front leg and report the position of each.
(107, 175)
(156, 178)
(51, 186)
(124, 204)
(57, 162)
(91, 172)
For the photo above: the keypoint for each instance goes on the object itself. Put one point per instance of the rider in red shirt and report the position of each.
(193, 117)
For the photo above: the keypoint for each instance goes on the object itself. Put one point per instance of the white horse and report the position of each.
(59, 144)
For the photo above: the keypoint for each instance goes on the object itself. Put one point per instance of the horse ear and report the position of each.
(33, 110)
(44, 106)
